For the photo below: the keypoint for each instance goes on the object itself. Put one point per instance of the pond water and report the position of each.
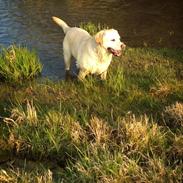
(139, 22)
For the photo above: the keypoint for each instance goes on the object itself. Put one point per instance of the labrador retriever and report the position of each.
(93, 54)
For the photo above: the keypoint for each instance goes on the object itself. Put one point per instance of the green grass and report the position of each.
(18, 64)
(125, 129)
(92, 28)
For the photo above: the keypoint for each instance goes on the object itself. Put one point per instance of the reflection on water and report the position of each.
(140, 22)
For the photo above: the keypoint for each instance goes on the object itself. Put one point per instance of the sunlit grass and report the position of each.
(92, 28)
(125, 129)
(18, 64)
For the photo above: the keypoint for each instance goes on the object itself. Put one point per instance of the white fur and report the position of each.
(91, 53)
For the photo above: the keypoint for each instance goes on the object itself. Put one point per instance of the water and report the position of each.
(140, 23)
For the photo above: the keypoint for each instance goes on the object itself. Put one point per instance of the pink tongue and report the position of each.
(117, 53)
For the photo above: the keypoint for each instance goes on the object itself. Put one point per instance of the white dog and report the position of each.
(93, 54)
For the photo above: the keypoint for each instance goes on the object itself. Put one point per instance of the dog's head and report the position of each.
(110, 40)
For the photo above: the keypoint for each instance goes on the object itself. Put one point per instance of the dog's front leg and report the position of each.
(82, 74)
(103, 75)
(67, 75)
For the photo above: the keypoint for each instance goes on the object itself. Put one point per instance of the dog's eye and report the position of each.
(113, 40)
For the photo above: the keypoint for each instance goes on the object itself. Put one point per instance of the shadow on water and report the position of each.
(140, 23)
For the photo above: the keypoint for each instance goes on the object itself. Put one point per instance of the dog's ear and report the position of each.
(99, 37)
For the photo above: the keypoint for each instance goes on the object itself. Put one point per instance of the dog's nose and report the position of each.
(123, 46)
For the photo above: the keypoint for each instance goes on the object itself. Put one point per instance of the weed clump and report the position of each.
(18, 64)
(174, 115)
(141, 135)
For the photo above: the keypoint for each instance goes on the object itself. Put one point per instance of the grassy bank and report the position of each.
(126, 129)
(18, 64)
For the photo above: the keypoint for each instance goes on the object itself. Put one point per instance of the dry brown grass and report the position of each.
(18, 176)
(99, 131)
(18, 115)
(173, 115)
(142, 134)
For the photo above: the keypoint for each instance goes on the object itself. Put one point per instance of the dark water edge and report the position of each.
(140, 23)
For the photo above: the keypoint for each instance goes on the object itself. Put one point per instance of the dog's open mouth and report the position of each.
(114, 52)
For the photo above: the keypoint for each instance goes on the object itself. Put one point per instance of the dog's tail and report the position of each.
(61, 23)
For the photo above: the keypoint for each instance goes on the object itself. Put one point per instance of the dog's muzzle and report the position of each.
(117, 53)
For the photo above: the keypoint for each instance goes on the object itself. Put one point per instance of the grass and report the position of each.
(18, 64)
(92, 28)
(125, 129)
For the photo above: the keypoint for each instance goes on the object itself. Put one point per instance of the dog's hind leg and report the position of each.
(67, 56)
(67, 59)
